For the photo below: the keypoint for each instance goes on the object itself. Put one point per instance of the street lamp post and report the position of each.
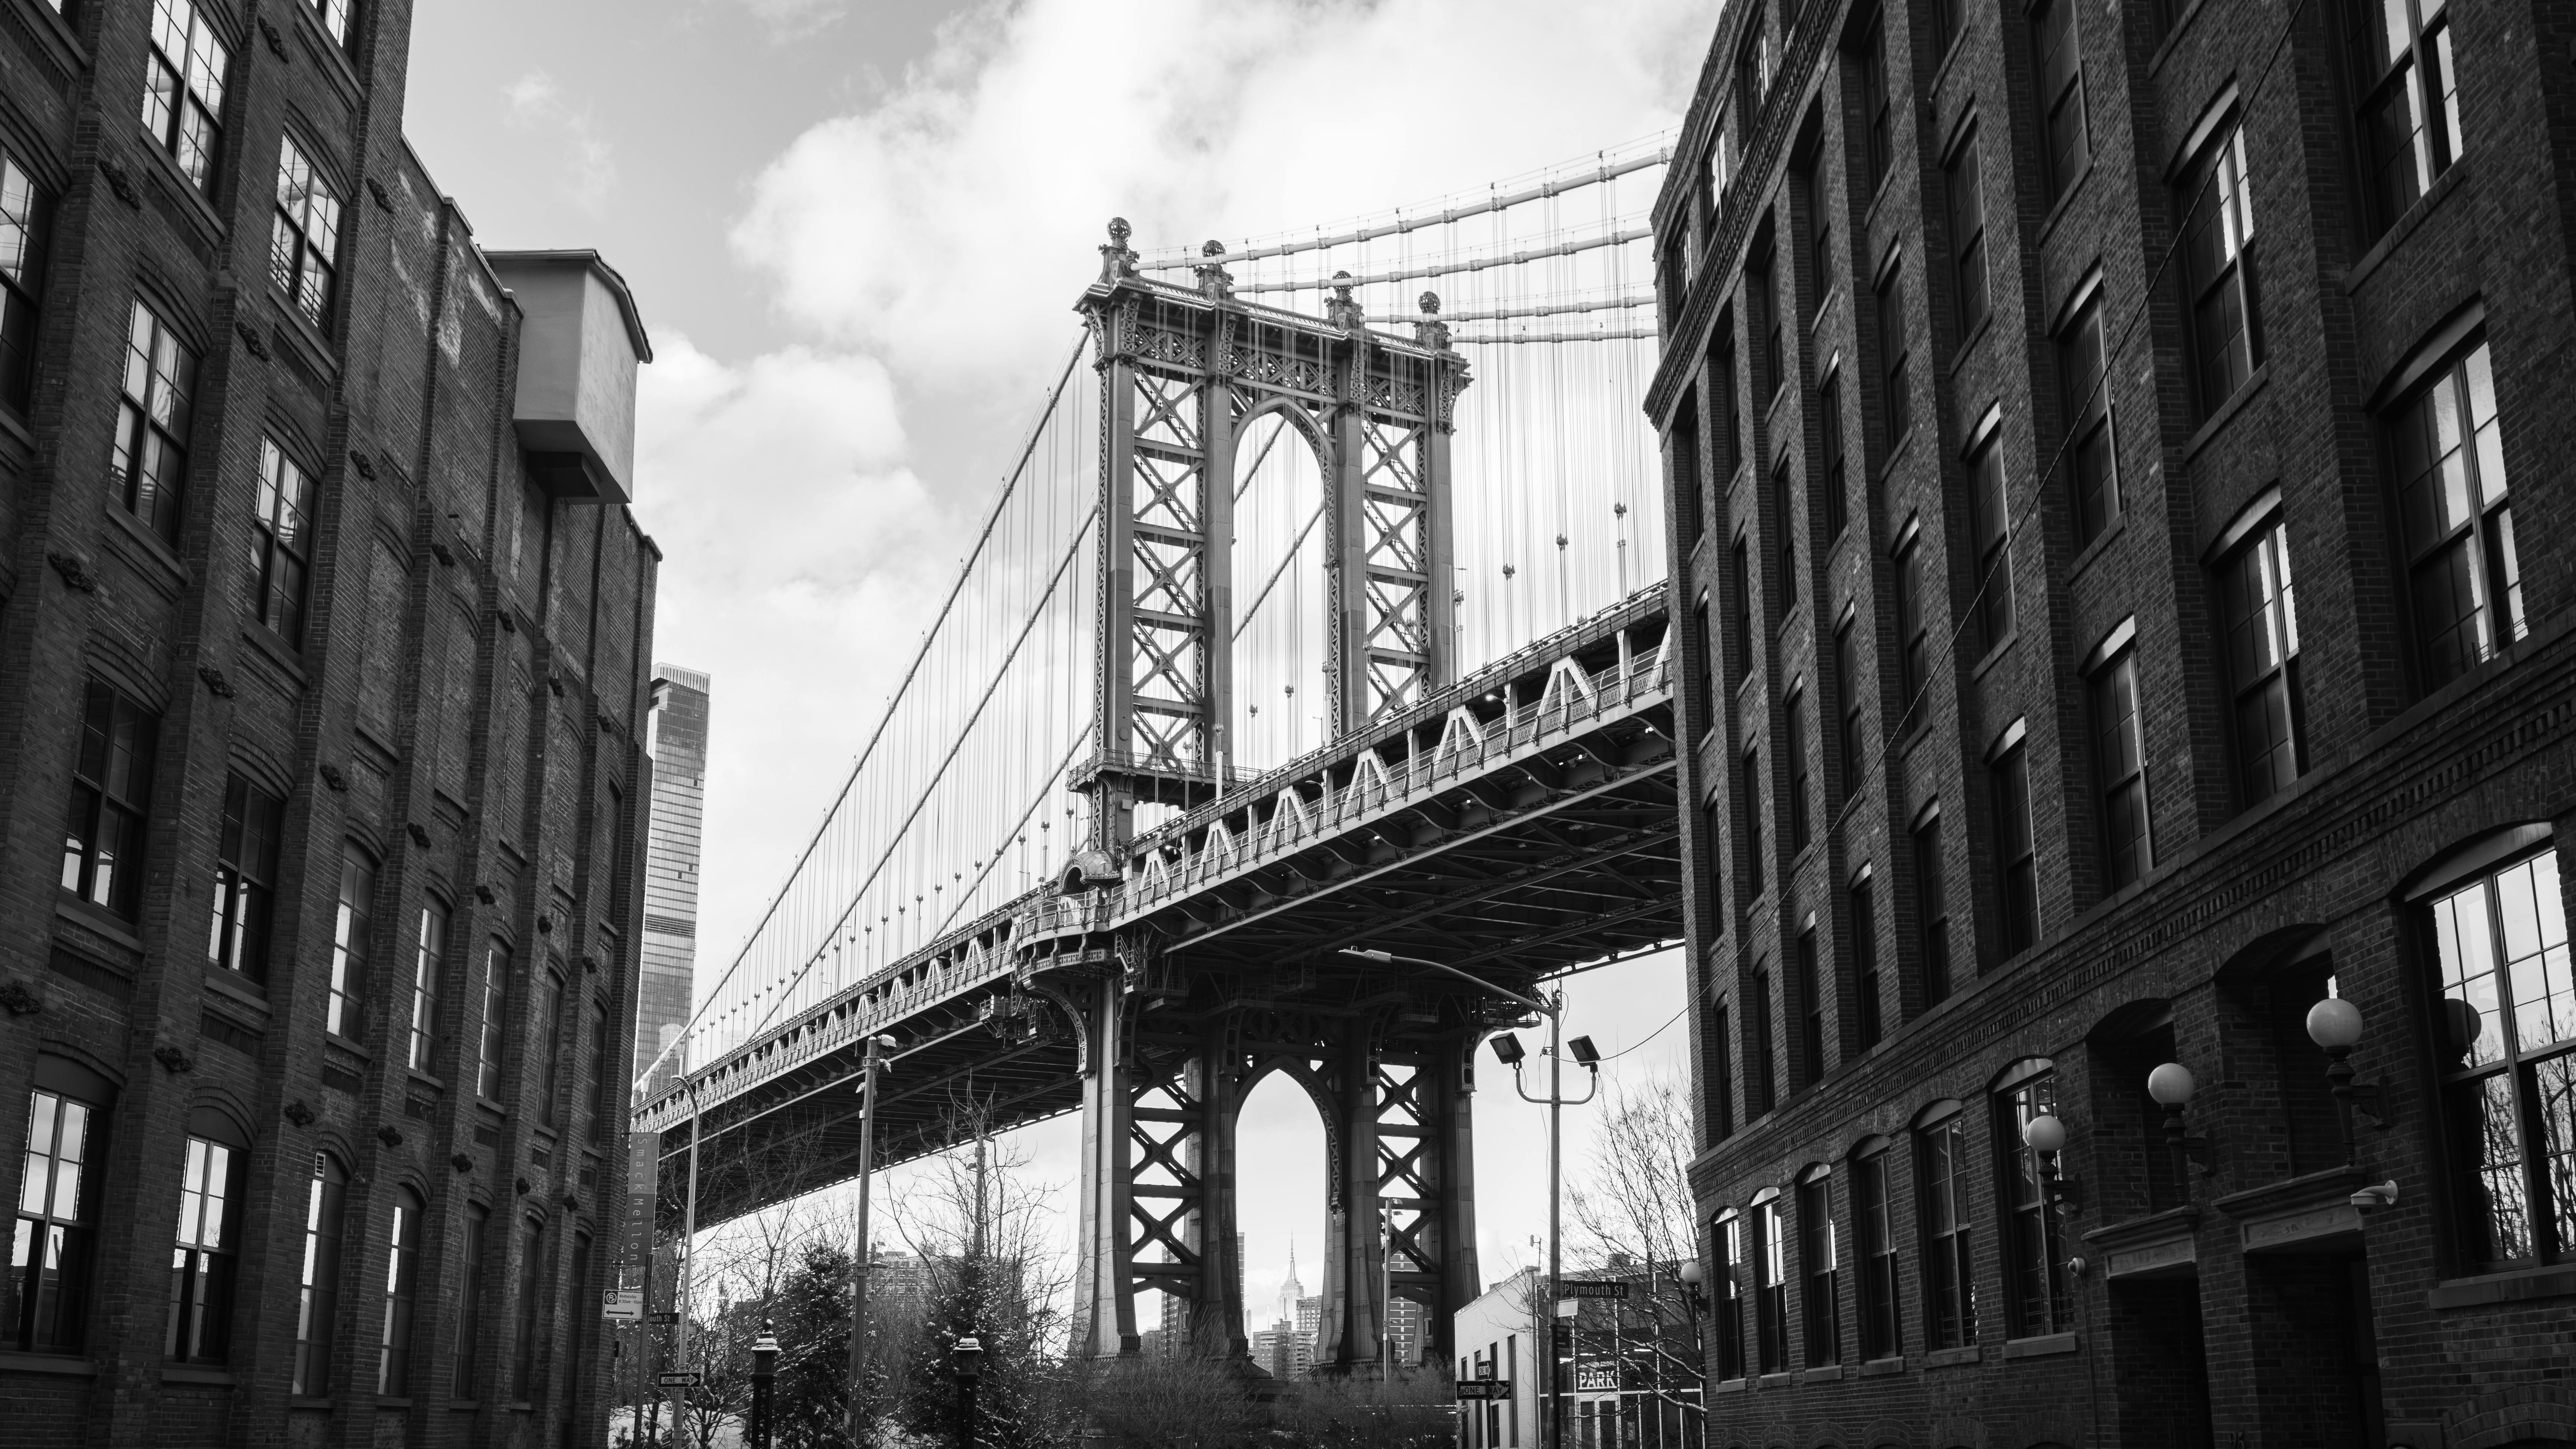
(764, 1379)
(968, 1359)
(1508, 1048)
(863, 1258)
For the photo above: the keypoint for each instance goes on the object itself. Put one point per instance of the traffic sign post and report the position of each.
(1604, 1288)
(681, 1379)
(669, 1318)
(1484, 1388)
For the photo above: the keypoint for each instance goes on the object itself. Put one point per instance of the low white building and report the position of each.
(1501, 1338)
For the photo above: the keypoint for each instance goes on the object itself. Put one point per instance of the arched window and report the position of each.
(352, 939)
(1820, 1264)
(496, 1000)
(402, 1268)
(1729, 1308)
(2035, 1296)
(2505, 1037)
(58, 1205)
(428, 962)
(531, 1305)
(1948, 1226)
(469, 1301)
(317, 1306)
(201, 1267)
(550, 1110)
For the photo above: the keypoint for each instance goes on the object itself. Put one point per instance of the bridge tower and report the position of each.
(1171, 1049)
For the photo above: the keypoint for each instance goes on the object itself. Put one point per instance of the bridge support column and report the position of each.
(1104, 1302)
(1354, 1306)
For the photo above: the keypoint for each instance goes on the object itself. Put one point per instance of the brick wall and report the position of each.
(465, 633)
(2244, 911)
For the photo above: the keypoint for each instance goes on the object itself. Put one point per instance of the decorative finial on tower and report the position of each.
(1117, 259)
(1215, 282)
(1428, 329)
(1341, 311)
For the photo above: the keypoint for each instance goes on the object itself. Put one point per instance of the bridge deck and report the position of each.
(1518, 822)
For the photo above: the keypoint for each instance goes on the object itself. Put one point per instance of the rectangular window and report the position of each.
(1765, 292)
(1877, 109)
(1892, 351)
(2016, 859)
(1673, 280)
(1753, 76)
(496, 996)
(2120, 770)
(1704, 695)
(304, 245)
(1740, 627)
(1850, 747)
(531, 1315)
(2061, 95)
(334, 15)
(1730, 1298)
(1968, 233)
(2263, 662)
(1749, 799)
(429, 953)
(1721, 414)
(2509, 1085)
(26, 222)
(1990, 519)
(2410, 101)
(1829, 419)
(183, 93)
(245, 879)
(1721, 1075)
(469, 1301)
(49, 1251)
(1784, 514)
(148, 467)
(402, 1270)
(201, 1266)
(1770, 1287)
(2080, 364)
(318, 1293)
(603, 1072)
(111, 799)
(1761, 1086)
(1948, 22)
(1868, 1026)
(1870, 1217)
(550, 1110)
(2458, 521)
(1794, 740)
(1823, 252)
(1811, 1009)
(1687, 483)
(1913, 633)
(2218, 233)
(1820, 1260)
(1932, 901)
(2034, 1247)
(1949, 1258)
(352, 944)
(280, 548)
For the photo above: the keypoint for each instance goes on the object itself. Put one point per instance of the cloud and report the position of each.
(794, 19)
(537, 103)
(952, 221)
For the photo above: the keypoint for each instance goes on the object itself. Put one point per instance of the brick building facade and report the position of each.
(2110, 471)
(322, 643)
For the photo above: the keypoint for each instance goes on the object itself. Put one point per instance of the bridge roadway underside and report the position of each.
(1558, 846)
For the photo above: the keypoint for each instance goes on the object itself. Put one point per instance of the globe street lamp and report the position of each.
(2334, 1024)
(2171, 1087)
(764, 1378)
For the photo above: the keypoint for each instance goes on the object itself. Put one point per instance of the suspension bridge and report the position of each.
(1293, 652)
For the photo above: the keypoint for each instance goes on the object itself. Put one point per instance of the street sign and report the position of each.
(668, 1318)
(624, 1305)
(1612, 1288)
(1484, 1388)
(680, 1379)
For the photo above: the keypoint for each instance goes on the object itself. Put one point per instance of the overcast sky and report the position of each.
(855, 229)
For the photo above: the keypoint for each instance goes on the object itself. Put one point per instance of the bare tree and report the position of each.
(1634, 1198)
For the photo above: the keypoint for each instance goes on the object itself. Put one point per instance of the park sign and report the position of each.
(1606, 1288)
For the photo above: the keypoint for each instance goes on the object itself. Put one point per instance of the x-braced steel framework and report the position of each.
(1184, 374)
(1171, 1074)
